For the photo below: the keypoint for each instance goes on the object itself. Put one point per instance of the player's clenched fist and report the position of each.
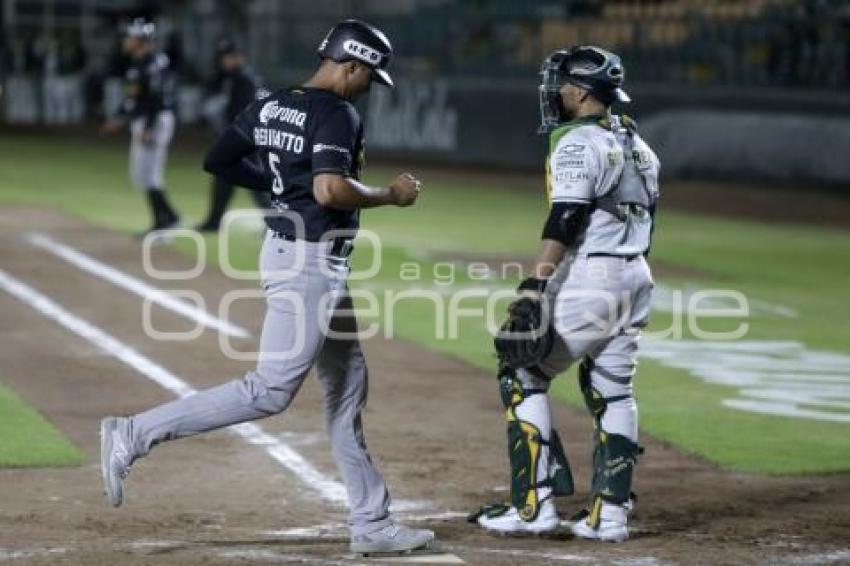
(405, 189)
(111, 126)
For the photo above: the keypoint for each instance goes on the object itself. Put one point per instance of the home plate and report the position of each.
(436, 558)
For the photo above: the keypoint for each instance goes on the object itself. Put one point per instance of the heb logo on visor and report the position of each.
(362, 52)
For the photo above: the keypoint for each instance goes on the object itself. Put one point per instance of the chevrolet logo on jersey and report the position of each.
(362, 52)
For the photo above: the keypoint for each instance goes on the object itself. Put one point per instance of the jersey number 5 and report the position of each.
(277, 184)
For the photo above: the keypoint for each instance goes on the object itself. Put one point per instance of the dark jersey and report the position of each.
(279, 143)
(149, 88)
(240, 87)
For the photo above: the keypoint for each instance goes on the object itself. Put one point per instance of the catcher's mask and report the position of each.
(596, 70)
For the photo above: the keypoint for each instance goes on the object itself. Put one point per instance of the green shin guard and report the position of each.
(523, 496)
(525, 444)
(614, 461)
(614, 455)
(560, 474)
(524, 447)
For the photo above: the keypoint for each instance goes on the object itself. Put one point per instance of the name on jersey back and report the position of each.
(280, 139)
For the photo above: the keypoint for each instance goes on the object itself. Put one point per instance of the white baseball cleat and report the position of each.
(510, 522)
(392, 539)
(612, 525)
(114, 460)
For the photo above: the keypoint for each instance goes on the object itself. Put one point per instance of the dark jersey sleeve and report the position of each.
(243, 93)
(335, 140)
(234, 157)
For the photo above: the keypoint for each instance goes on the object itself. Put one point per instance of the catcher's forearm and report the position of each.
(551, 254)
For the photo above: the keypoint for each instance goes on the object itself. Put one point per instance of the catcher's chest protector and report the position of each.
(623, 172)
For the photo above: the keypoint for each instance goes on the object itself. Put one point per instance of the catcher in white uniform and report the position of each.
(586, 301)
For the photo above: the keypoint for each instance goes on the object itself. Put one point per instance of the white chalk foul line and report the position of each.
(135, 285)
(328, 489)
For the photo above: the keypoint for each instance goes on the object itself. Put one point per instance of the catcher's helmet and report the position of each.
(140, 28)
(353, 40)
(592, 68)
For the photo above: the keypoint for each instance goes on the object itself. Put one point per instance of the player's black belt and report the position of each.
(625, 257)
(340, 247)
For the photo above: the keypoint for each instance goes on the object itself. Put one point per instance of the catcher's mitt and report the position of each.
(525, 338)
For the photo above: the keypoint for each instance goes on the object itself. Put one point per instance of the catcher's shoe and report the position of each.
(392, 539)
(508, 521)
(115, 459)
(612, 525)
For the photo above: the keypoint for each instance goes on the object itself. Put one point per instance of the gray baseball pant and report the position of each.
(303, 304)
(599, 306)
(147, 160)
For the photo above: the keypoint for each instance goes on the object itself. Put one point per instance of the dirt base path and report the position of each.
(434, 425)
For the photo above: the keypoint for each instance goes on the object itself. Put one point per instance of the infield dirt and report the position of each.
(434, 425)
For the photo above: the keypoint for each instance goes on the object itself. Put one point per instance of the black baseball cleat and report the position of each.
(161, 228)
(207, 227)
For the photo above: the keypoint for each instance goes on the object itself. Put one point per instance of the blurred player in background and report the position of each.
(239, 87)
(148, 107)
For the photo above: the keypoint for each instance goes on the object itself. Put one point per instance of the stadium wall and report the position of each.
(773, 135)
(742, 134)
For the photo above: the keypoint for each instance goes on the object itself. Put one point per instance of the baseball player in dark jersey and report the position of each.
(240, 87)
(148, 107)
(305, 146)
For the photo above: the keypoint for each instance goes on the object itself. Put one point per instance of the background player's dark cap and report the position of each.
(226, 46)
(141, 28)
(353, 40)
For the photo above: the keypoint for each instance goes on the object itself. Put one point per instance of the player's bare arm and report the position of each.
(346, 193)
(550, 255)
(111, 126)
(562, 230)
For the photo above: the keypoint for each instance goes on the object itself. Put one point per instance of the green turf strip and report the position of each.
(27, 439)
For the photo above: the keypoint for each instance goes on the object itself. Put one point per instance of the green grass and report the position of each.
(27, 439)
(800, 267)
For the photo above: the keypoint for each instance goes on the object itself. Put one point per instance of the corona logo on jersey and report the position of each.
(271, 111)
(362, 52)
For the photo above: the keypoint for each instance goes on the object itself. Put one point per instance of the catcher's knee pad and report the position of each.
(614, 455)
(525, 446)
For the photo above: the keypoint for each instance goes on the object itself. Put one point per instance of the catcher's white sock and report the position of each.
(621, 417)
